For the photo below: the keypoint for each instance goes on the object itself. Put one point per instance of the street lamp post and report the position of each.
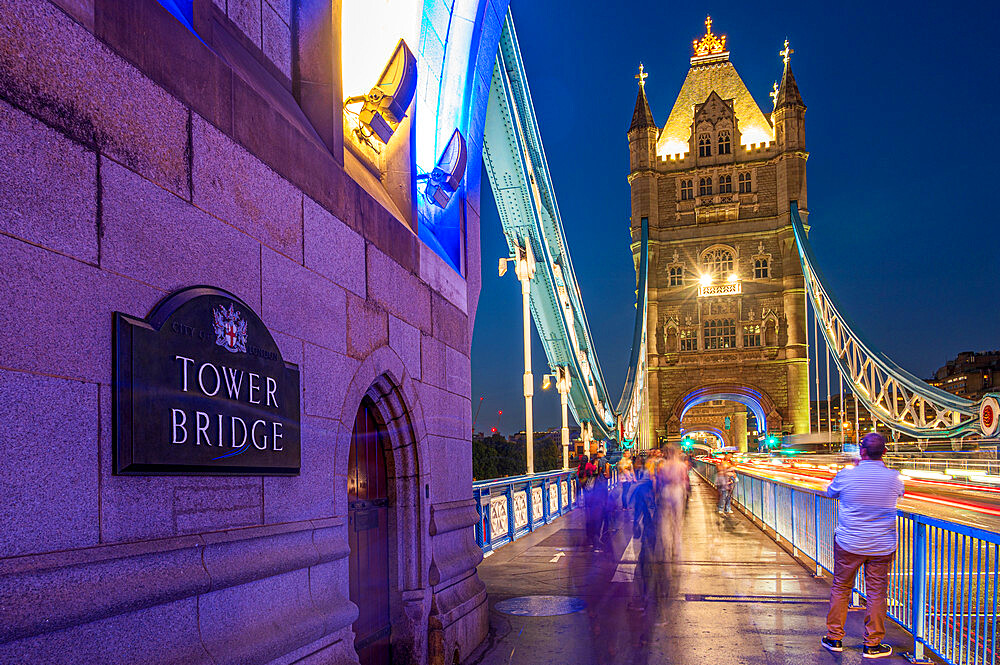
(563, 384)
(525, 270)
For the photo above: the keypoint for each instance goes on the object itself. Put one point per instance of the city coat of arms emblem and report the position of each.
(230, 329)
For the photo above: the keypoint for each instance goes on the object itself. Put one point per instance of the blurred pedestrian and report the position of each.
(865, 536)
(644, 529)
(725, 482)
(586, 474)
(602, 493)
(626, 476)
(671, 477)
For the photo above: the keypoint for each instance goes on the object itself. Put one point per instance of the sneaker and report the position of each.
(877, 651)
(833, 645)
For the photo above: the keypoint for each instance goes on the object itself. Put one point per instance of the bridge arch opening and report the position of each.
(705, 438)
(732, 412)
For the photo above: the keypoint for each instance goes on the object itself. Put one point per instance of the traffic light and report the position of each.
(771, 441)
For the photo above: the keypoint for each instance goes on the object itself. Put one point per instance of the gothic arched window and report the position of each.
(718, 261)
(689, 340)
(744, 180)
(720, 334)
(725, 184)
(676, 275)
(724, 142)
(704, 145)
(761, 269)
(687, 190)
(704, 187)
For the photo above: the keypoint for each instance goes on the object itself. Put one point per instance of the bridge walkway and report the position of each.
(733, 597)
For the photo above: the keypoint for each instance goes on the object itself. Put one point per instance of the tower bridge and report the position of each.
(289, 191)
(727, 283)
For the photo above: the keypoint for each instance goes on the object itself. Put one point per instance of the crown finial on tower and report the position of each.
(774, 94)
(786, 54)
(710, 44)
(642, 76)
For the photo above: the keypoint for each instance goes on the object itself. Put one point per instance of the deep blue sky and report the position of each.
(903, 173)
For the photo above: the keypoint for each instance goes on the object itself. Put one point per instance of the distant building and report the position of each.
(971, 374)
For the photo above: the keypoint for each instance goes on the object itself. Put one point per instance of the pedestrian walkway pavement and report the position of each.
(733, 597)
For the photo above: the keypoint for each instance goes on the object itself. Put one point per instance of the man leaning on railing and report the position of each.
(865, 535)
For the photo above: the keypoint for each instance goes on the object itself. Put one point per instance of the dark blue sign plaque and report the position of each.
(201, 388)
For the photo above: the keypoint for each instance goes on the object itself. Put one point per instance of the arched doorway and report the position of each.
(368, 536)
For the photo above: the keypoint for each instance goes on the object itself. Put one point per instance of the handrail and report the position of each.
(944, 581)
(514, 479)
(510, 508)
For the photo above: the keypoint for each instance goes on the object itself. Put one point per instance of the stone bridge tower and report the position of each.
(726, 296)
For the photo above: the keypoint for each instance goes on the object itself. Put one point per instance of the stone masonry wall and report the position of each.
(115, 192)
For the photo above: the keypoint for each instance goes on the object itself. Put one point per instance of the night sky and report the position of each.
(903, 174)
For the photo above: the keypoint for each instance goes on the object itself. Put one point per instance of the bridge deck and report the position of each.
(734, 596)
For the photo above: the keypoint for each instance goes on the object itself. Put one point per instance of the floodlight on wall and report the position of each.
(386, 103)
(444, 180)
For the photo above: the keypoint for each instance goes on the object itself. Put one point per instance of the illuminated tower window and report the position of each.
(720, 334)
(687, 190)
(676, 276)
(704, 186)
(725, 142)
(744, 180)
(761, 269)
(704, 145)
(689, 340)
(725, 184)
(717, 262)
(751, 335)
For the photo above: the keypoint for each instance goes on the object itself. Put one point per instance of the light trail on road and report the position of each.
(974, 505)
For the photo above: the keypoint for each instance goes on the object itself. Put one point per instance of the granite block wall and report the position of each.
(128, 171)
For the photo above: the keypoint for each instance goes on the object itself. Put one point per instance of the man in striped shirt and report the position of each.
(865, 536)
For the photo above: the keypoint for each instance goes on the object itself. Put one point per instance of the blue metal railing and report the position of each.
(943, 585)
(512, 507)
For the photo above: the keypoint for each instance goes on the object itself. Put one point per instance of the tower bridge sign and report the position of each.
(201, 388)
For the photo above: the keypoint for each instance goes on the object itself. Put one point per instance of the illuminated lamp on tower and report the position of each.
(384, 107)
(444, 180)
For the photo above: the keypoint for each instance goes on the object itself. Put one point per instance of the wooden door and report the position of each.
(368, 534)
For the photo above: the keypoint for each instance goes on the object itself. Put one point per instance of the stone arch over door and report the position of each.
(384, 382)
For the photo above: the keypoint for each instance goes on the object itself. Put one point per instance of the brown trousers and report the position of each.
(845, 567)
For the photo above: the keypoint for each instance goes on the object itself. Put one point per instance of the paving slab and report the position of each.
(732, 596)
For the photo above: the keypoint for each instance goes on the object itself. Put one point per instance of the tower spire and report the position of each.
(786, 54)
(788, 92)
(642, 76)
(642, 116)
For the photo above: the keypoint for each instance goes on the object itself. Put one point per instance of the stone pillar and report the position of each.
(739, 425)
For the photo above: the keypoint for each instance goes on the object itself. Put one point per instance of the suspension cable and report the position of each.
(829, 411)
(819, 422)
(843, 418)
(857, 427)
(809, 422)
